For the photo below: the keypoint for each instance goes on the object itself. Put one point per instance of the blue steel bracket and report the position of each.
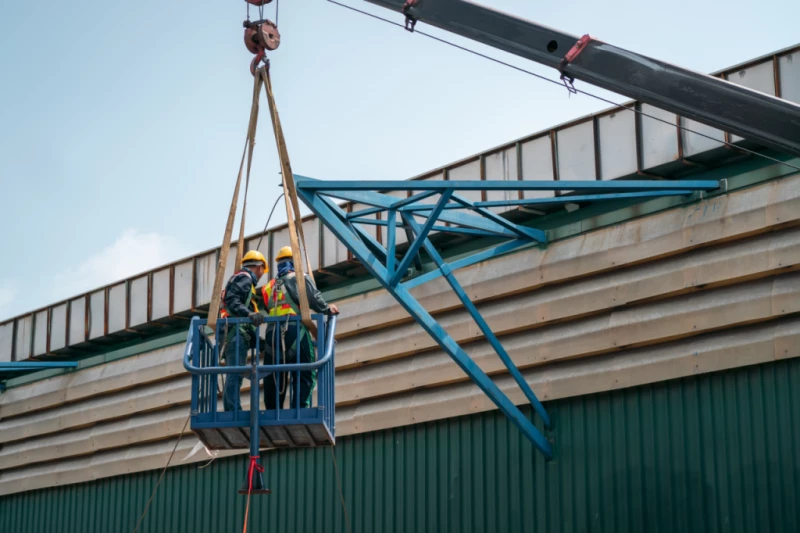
(478, 221)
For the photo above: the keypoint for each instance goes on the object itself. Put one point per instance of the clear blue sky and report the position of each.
(122, 124)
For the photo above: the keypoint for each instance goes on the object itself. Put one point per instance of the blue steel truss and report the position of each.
(438, 202)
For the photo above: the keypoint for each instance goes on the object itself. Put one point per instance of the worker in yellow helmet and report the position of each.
(280, 298)
(239, 300)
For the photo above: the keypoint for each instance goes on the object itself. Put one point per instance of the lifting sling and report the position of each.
(293, 216)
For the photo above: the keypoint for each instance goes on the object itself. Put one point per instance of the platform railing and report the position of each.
(202, 360)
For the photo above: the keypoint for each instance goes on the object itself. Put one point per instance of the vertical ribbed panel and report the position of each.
(712, 453)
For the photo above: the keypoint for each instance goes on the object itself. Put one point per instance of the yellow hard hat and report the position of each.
(284, 253)
(254, 257)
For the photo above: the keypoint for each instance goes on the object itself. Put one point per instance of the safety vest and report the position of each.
(249, 302)
(275, 300)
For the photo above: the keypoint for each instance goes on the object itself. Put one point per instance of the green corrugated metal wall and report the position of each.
(712, 453)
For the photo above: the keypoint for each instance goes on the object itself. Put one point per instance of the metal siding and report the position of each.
(230, 266)
(97, 313)
(333, 251)
(537, 164)
(708, 453)
(693, 143)
(279, 240)
(205, 270)
(502, 166)
(659, 139)
(575, 151)
(789, 66)
(311, 233)
(6, 341)
(40, 333)
(77, 321)
(160, 294)
(617, 140)
(182, 298)
(760, 77)
(58, 327)
(117, 308)
(467, 172)
(138, 301)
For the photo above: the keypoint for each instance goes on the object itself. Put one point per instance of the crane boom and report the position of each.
(764, 119)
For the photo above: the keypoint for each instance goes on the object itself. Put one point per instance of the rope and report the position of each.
(216, 294)
(258, 246)
(341, 493)
(560, 84)
(295, 226)
(254, 466)
(152, 495)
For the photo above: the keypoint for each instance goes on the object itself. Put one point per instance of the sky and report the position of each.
(122, 124)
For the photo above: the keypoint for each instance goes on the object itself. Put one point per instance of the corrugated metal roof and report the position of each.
(712, 453)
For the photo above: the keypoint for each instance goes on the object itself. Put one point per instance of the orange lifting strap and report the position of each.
(293, 217)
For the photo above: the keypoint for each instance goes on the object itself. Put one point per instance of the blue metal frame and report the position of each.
(20, 368)
(383, 265)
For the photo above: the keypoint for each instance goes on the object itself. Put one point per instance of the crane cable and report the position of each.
(580, 91)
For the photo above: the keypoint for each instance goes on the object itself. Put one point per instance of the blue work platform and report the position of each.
(284, 427)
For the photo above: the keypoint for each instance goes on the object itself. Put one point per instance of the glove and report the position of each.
(257, 318)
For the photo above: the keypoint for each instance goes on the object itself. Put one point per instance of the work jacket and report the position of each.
(279, 297)
(238, 296)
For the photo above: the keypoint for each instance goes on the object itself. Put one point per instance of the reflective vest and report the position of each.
(249, 302)
(275, 300)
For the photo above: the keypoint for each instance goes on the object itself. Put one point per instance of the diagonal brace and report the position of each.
(476, 316)
(428, 323)
(422, 235)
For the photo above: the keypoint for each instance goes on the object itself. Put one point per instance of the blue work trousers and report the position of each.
(235, 355)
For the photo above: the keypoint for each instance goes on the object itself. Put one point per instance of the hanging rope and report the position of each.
(163, 471)
(293, 217)
(341, 493)
(216, 294)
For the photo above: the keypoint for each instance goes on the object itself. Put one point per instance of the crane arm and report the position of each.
(764, 119)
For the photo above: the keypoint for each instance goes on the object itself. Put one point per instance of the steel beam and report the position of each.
(356, 190)
(767, 120)
(327, 213)
(479, 320)
(485, 255)
(421, 237)
(581, 198)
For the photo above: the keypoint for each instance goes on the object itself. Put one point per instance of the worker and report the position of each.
(280, 298)
(238, 300)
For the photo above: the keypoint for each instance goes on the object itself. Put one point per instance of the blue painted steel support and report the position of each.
(336, 187)
(481, 222)
(391, 234)
(491, 253)
(380, 200)
(327, 213)
(522, 231)
(476, 316)
(412, 199)
(446, 229)
(581, 198)
(365, 212)
(422, 235)
(26, 366)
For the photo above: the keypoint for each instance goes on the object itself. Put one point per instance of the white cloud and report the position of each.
(132, 253)
(7, 294)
